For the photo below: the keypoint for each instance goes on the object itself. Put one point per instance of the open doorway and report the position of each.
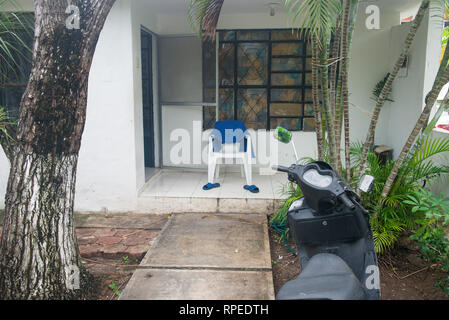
(147, 99)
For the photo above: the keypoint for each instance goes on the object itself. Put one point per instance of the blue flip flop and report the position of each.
(210, 186)
(252, 188)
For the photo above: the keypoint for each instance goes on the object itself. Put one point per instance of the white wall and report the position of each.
(369, 63)
(411, 88)
(107, 166)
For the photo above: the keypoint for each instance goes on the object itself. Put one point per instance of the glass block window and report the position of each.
(265, 79)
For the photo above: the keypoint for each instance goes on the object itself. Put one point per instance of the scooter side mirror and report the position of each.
(283, 135)
(366, 183)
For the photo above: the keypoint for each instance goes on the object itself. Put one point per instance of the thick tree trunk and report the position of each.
(39, 251)
(387, 88)
(39, 256)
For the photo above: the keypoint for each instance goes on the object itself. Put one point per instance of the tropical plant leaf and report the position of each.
(315, 18)
(203, 16)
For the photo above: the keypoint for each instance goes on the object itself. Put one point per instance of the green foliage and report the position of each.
(317, 18)
(113, 287)
(379, 87)
(430, 233)
(5, 122)
(394, 213)
(294, 193)
(203, 16)
(14, 27)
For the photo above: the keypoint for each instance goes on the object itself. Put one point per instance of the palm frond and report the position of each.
(315, 18)
(430, 148)
(14, 29)
(203, 16)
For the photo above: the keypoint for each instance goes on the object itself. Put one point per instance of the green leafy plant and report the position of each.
(275, 261)
(393, 214)
(279, 220)
(431, 234)
(113, 287)
(14, 29)
(377, 91)
(5, 122)
(125, 260)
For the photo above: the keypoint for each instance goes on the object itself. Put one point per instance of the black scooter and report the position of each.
(333, 237)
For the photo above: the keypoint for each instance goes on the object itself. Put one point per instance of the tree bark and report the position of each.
(39, 256)
(387, 88)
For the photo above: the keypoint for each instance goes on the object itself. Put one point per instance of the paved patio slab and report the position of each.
(213, 241)
(163, 284)
(206, 257)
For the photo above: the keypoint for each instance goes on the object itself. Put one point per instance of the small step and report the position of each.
(166, 205)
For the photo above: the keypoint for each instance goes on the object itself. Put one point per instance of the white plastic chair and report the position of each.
(230, 151)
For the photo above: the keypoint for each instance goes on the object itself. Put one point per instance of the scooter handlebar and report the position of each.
(281, 169)
(347, 202)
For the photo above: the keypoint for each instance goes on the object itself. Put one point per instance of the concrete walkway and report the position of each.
(206, 257)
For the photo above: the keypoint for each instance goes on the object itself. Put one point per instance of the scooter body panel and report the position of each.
(344, 233)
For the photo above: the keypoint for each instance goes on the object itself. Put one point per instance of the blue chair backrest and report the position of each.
(228, 129)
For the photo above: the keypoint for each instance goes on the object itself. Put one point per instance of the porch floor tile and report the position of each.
(181, 183)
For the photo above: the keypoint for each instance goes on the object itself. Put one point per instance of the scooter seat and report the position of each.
(325, 277)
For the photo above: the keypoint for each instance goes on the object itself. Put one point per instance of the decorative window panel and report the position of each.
(288, 49)
(280, 35)
(252, 64)
(287, 64)
(286, 109)
(226, 104)
(227, 35)
(252, 107)
(209, 71)
(264, 80)
(286, 95)
(286, 79)
(226, 64)
(292, 124)
(209, 117)
(308, 110)
(253, 35)
(309, 124)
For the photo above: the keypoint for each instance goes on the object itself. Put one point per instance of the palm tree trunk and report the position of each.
(39, 256)
(385, 91)
(334, 87)
(432, 98)
(316, 100)
(324, 61)
(345, 90)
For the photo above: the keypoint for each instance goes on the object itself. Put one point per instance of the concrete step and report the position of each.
(165, 205)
